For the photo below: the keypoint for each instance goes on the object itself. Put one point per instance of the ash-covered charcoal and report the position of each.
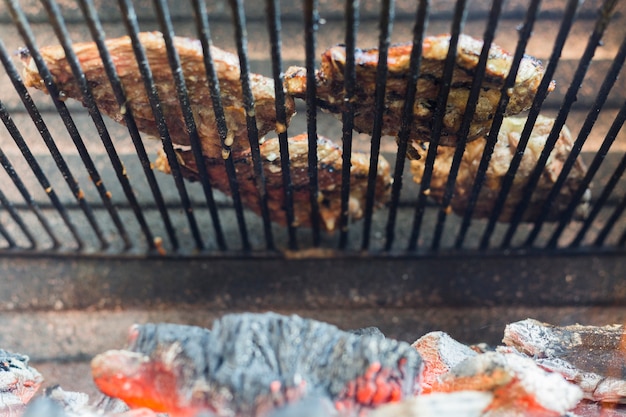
(18, 382)
(192, 63)
(440, 353)
(504, 151)
(368, 331)
(56, 402)
(519, 386)
(592, 357)
(251, 364)
(330, 90)
(453, 404)
(329, 179)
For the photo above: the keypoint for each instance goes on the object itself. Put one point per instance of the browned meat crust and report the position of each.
(190, 51)
(505, 149)
(329, 179)
(330, 86)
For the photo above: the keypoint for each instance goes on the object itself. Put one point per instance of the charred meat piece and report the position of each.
(592, 357)
(329, 179)
(190, 52)
(251, 364)
(504, 151)
(330, 86)
(440, 353)
(18, 383)
(519, 386)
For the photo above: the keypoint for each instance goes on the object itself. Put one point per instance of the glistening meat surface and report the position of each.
(192, 63)
(329, 179)
(330, 91)
(504, 151)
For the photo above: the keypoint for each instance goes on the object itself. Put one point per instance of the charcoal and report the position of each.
(368, 331)
(251, 364)
(457, 404)
(590, 356)
(18, 382)
(520, 387)
(440, 353)
(44, 406)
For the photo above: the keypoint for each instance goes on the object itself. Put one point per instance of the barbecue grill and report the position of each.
(87, 222)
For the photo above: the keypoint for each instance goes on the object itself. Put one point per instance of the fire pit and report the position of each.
(102, 227)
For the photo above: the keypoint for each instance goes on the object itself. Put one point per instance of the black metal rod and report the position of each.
(97, 32)
(24, 28)
(10, 208)
(165, 22)
(492, 137)
(590, 120)
(6, 203)
(460, 13)
(132, 27)
(611, 222)
(19, 140)
(274, 27)
(600, 202)
(204, 34)
(28, 155)
(468, 115)
(542, 93)
(386, 25)
(347, 116)
(311, 26)
(63, 35)
(419, 29)
(241, 38)
(569, 99)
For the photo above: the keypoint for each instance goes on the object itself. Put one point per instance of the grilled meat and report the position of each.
(590, 356)
(191, 56)
(250, 364)
(505, 149)
(329, 179)
(330, 86)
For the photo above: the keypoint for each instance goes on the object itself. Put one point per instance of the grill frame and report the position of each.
(311, 25)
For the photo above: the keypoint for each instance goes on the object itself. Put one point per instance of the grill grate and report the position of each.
(194, 218)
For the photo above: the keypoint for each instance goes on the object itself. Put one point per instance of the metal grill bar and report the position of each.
(347, 116)
(460, 13)
(64, 37)
(612, 221)
(590, 120)
(19, 140)
(419, 29)
(204, 33)
(132, 27)
(185, 105)
(26, 33)
(611, 135)
(593, 168)
(570, 98)
(273, 18)
(241, 36)
(98, 35)
(72, 129)
(8, 205)
(30, 158)
(492, 137)
(542, 92)
(386, 25)
(470, 109)
(311, 22)
(4, 201)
